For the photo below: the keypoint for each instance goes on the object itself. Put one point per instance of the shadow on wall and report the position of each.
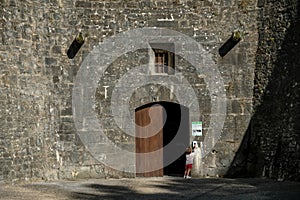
(271, 145)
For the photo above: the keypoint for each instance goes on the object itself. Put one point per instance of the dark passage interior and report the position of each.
(177, 121)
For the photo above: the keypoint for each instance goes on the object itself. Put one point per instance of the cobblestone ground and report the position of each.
(153, 188)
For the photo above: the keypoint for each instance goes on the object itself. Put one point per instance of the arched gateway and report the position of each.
(162, 128)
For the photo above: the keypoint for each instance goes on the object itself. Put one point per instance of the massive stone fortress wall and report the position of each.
(271, 146)
(38, 137)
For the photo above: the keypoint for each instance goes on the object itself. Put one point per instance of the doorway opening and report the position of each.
(174, 120)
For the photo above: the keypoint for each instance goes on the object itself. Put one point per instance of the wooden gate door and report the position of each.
(149, 139)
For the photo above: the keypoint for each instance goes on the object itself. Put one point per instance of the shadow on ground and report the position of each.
(153, 188)
(177, 188)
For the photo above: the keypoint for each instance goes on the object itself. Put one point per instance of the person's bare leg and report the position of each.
(185, 173)
(188, 172)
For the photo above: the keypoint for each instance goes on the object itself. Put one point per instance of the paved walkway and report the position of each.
(153, 188)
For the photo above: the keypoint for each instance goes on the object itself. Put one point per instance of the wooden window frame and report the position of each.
(164, 59)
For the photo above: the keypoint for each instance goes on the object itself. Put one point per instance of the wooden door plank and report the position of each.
(149, 143)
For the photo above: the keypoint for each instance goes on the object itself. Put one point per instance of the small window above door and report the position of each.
(164, 62)
(164, 59)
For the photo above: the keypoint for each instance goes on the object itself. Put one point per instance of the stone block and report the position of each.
(50, 61)
(83, 4)
(260, 3)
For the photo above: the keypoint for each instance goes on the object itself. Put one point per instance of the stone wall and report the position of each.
(272, 144)
(29, 114)
(39, 139)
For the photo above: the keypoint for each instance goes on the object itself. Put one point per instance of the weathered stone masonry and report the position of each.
(271, 145)
(38, 138)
